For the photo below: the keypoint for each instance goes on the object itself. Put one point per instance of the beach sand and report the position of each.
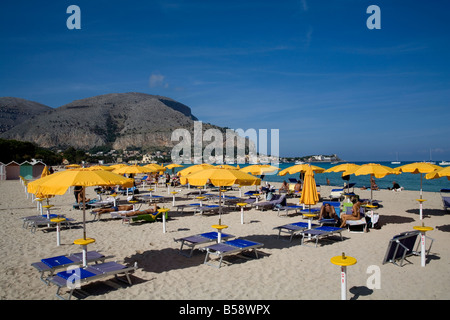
(283, 271)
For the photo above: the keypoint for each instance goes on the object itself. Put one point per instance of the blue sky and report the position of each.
(311, 69)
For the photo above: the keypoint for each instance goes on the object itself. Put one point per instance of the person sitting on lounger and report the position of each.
(298, 187)
(355, 213)
(80, 198)
(327, 212)
(284, 187)
(113, 209)
(140, 212)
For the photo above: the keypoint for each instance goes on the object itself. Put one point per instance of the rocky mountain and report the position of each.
(14, 111)
(119, 120)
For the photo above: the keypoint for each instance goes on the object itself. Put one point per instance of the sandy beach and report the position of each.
(284, 270)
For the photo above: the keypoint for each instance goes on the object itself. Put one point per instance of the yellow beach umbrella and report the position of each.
(131, 170)
(174, 165)
(106, 168)
(45, 172)
(194, 168)
(118, 165)
(418, 167)
(443, 172)
(227, 166)
(300, 168)
(73, 166)
(155, 166)
(342, 167)
(309, 191)
(373, 169)
(59, 182)
(259, 169)
(220, 177)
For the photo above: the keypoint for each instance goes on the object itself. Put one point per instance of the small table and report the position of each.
(371, 214)
(242, 205)
(114, 195)
(150, 191)
(420, 202)
(58, 229)
(164, 212)
(343, 261)
(134, 204)
(219, 228)
(422, 230)
(39, 204)
(48, 207)
(174, 193)
(309, 216)
(83, 243)
(200, 198)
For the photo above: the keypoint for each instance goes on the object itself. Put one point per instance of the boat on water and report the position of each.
(444, 163)
(299, 162)
(396, 161)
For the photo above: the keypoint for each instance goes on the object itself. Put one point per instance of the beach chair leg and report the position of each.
(256, 253)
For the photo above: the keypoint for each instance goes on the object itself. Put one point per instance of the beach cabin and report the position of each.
(12, 171)
(38, 166)
(26, 170)
(2, 171)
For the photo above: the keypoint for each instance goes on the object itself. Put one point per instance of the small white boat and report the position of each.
(299, 162)
(444, 163)
(396, 161)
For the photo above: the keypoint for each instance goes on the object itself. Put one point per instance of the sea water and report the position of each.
(409, 181)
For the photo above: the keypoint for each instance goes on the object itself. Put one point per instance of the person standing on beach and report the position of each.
(76, 192)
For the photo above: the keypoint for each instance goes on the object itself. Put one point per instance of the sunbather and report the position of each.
(113, 209)
(140, 212)
(298, 187)
(355, 213)
(328, 212)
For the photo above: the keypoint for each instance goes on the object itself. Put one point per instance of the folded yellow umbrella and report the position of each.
(309, 190)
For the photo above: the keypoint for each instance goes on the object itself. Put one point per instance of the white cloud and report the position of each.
(304, 5)
(157, 80)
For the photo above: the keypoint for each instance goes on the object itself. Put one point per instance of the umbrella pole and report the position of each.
(371, 190)
(84, 213)
(421, 174)
(220, 206)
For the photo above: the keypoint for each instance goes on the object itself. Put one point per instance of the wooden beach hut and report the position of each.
(2, 171)
(12, 171)
(38, 166)
(26, 170)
